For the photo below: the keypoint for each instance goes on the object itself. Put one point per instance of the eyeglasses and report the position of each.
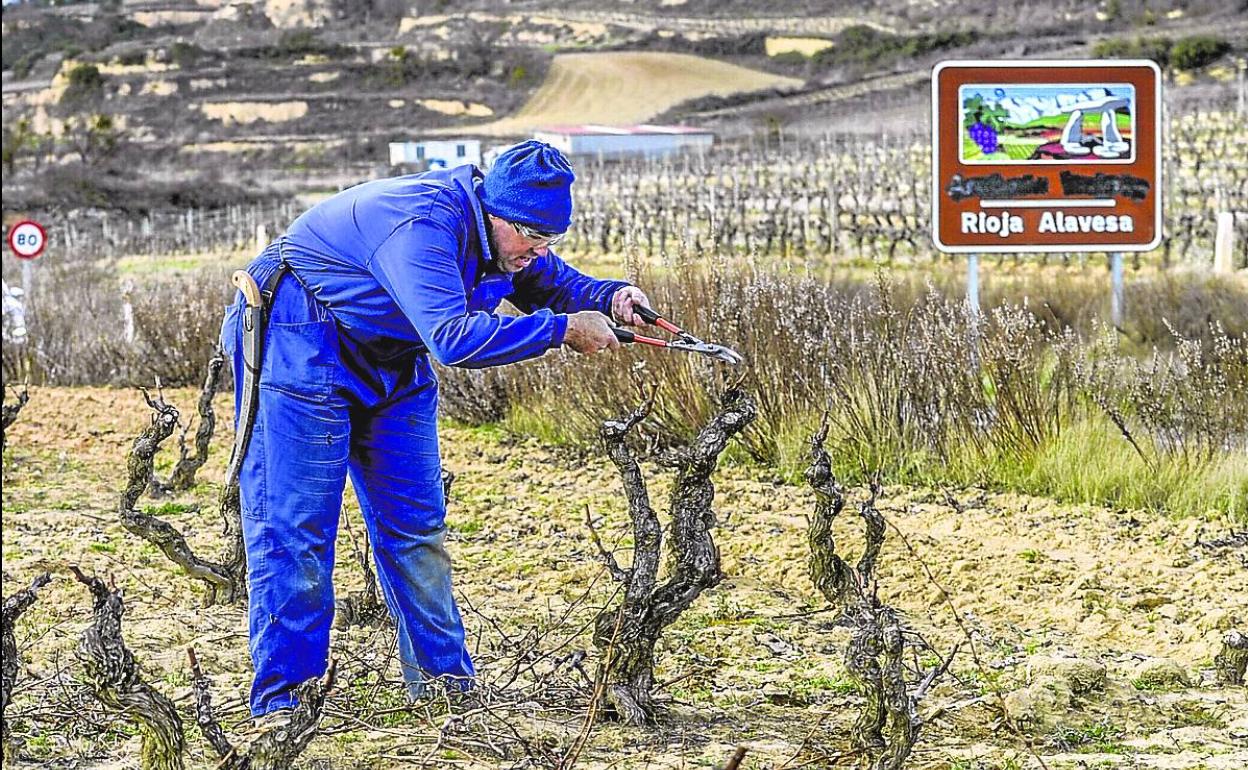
(537, 235)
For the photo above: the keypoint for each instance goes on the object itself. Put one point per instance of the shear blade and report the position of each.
(718, 352)
(727, 355)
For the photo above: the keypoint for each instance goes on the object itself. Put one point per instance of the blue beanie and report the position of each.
(531, 183)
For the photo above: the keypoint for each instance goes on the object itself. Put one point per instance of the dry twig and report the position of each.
(183, 476)
(274, 748)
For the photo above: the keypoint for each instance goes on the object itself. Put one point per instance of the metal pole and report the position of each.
(28, 280)
(972, 301)
(1117, 305)
(28, 276)
(972, 283)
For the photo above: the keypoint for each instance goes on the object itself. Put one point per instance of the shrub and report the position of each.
(23, 65)
(77, 326)
(1155, 48)
(186, 54)
(294, 44)
(1197, 51)
(511, 65)
(916, 387)
(85, 84)
(1185, 53)
(795, 59)
(867, 46)
(132, 58)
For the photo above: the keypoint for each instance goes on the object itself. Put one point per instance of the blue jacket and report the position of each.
(404, 263)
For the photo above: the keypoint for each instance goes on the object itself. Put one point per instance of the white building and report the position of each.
(609, 141)
(436, 154)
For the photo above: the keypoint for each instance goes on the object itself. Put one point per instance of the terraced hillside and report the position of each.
(280, 97)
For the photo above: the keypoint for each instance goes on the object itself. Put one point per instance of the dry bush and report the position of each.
(1188, 407)
(474, 396)
(177, 324)
(74, 329)
(900, 368)
(917, 385)
(77, 327)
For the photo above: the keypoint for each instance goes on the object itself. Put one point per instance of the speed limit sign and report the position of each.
(28, 239)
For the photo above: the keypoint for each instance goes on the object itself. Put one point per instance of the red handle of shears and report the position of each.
(651, 317)
(624, 335)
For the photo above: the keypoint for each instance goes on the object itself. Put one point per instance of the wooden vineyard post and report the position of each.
(1224, 243)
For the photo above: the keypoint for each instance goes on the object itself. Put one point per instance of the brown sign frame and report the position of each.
(1100, 201)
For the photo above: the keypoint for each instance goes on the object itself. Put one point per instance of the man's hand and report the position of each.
(589, 332)
(624, 301)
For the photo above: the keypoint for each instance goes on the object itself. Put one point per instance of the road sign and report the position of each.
(1046, 156)
(28, 239)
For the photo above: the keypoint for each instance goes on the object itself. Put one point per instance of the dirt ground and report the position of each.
(1094, 629)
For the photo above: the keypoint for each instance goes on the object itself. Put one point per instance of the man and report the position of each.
(380, 278)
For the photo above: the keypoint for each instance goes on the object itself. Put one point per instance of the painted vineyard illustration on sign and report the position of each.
(1049, 123)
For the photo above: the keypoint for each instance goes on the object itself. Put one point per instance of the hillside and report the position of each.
(626, 88)
(151, 104)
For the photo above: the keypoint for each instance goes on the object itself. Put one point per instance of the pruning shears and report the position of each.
(686, 342)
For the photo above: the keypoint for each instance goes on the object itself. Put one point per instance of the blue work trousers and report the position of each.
(325, 411)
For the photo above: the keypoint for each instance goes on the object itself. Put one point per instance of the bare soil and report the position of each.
(620, 89)
(756, 662)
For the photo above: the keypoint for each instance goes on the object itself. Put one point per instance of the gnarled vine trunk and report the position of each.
(114, 677)
(183, 476)
(10, 411)
(627, 634)
(888, 727)
(225, 580)
(277, 747)
(14, 606)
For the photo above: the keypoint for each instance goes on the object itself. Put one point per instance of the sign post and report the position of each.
(972, 283)
(27, 239)
(1117, 300)
(1047, 156)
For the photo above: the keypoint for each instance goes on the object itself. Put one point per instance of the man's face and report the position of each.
(513, 251)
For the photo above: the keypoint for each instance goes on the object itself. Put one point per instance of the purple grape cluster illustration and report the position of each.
(985, 136)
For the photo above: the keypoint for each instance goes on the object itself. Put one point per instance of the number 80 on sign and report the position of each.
(28, 239)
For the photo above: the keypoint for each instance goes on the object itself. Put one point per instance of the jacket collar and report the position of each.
(469, 178)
